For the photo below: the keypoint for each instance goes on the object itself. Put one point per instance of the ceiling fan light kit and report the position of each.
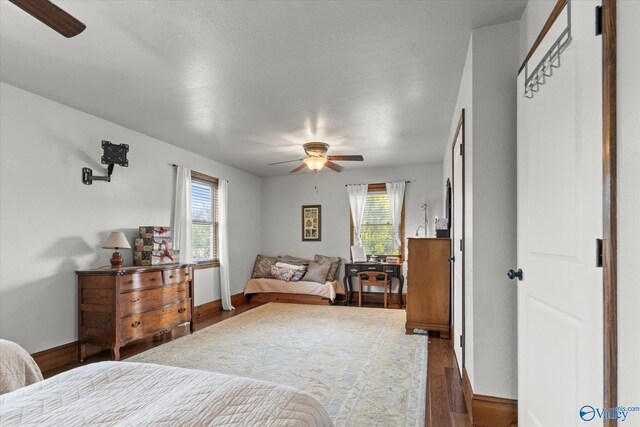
(315, 163)
(317, 152)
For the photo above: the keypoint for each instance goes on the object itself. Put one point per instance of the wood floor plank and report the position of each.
(460, 420)
(454, 388)
(445, 399)
(440, 414)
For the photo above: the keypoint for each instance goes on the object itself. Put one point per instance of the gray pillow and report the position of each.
(317, 272)
(334, 263)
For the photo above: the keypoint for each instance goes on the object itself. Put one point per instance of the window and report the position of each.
(204, 216)
(376, 230)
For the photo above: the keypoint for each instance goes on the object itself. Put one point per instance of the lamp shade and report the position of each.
(116, 240)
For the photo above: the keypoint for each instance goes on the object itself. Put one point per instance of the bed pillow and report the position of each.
(17, 367)
(282, 273)
(334, 263)
(262, 267)
(317, 272)
(298, 270)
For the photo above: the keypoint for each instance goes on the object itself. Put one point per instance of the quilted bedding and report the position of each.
(139, 394)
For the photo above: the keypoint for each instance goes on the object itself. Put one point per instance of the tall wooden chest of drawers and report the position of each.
(116, 307)
(429, 285)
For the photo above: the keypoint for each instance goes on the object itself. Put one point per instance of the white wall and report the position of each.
(464, 101)
(495, 61)
(628, 205)
(487, 93)
(283, 197)
(52, 224)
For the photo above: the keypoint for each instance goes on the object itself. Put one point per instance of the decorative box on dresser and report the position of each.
(428, 285)
(116, 307)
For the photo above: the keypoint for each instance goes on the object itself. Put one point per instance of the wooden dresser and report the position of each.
(117, 307)
(428, 286)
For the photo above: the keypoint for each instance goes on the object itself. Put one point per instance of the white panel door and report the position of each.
(559, 219)
(456, 236)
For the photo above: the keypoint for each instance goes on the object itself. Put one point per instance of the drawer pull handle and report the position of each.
(182, 310)
(136, 300)
(135, 324)
(180, 290)
(153, 279)
(130, 282)
(371, 268)
(186, 274)
(170, 277)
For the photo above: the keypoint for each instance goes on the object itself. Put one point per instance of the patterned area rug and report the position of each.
(357, 362)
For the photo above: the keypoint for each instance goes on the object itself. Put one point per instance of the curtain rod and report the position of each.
(175, 166)
(346, 185)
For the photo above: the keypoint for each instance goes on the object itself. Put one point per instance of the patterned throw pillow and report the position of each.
(333, 268)
(282, 273)
(298, 270)
(262, 267)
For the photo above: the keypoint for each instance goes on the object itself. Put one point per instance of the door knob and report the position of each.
(515, 274)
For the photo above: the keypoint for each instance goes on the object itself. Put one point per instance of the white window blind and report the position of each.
(204, 203)
(377, 230)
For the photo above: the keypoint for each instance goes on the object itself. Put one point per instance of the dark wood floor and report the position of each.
(444, 400)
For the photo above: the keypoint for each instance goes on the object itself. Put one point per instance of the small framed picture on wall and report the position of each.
(311, 223)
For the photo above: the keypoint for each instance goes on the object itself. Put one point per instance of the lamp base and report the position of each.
(116, 260)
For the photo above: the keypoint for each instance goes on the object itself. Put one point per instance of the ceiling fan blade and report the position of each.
(334, 166)
(357, 158)
(302, 166)
(286, 161)
(51, 15)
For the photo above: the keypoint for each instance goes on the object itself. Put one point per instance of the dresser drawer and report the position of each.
(389, 270)
(353, 269)
(372, 268)
(140, 325)
(131, 282)
(145, 300)
(178, 275)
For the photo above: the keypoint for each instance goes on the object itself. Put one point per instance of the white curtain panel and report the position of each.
(223, 244)
(395, 194)
(182, 215)
(357, 199)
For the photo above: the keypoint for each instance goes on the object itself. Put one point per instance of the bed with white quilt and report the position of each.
(138, 394)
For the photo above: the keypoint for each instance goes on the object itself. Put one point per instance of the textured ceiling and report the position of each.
(246, 83)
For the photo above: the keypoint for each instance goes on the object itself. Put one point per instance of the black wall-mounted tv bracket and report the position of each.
(113, 154)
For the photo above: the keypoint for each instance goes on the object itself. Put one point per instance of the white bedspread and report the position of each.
(139, 394)
(326, 290)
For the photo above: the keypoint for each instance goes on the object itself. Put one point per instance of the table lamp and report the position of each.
(116, 240)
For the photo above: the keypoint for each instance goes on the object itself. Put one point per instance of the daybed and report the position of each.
(297, 280)
(140, 394)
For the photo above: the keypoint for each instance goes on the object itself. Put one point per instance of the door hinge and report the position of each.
(598, 252)
(598, 20)
(460, 340)
(461, 149)
(460, 245)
